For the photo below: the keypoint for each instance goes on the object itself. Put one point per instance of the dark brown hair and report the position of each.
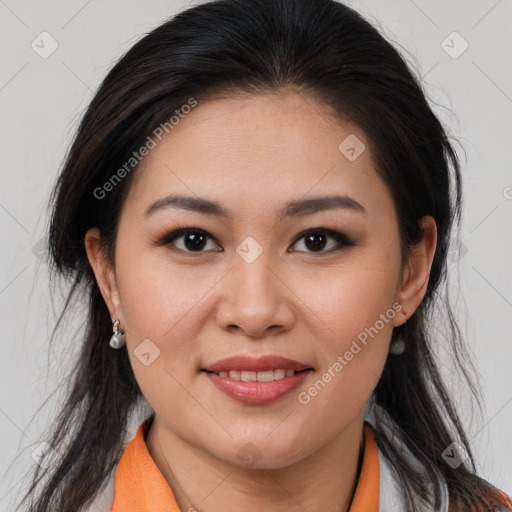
(320, 48)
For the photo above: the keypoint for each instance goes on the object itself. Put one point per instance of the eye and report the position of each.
(194, 240)
(316, 240)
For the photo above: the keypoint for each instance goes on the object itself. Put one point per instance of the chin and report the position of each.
(261, 452)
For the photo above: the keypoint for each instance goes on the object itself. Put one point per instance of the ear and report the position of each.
(416, 274)
(104, 273)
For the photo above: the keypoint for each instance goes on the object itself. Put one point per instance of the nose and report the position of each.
(255, 299)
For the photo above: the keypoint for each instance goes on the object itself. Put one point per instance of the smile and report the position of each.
(257, 388)
(263, 376)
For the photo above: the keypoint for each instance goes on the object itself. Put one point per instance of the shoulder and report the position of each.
(104, 499)
(391, 493)
(392, 497)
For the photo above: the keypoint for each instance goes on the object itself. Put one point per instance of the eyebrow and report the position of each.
(291, 209)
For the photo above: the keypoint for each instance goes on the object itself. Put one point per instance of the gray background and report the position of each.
(41, 101)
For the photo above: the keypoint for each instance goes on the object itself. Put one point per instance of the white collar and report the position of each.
(391, 499)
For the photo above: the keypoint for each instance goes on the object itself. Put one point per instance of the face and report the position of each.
(317, 285)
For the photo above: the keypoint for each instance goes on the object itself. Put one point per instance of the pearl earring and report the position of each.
(118, 339)
(398, 346)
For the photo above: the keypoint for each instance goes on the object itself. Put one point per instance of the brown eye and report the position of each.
(316, 240)
(191, 240)
(194, 241)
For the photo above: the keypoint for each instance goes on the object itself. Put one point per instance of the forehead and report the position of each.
(255, 149)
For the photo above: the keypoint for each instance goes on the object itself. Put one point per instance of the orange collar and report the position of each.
(141, 487)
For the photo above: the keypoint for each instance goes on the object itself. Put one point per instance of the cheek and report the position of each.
(155, 295)
(351, 298)
(356, 321)
(353, 309)
(160, 308)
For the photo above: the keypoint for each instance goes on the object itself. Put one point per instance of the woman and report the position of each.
(259, 201)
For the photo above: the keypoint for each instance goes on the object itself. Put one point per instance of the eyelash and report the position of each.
(342, 240)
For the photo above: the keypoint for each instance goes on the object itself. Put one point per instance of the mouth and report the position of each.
(257, 381)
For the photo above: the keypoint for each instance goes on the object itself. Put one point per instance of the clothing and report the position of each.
(137, 485)
(141, 487)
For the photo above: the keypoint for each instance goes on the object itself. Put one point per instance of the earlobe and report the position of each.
(416, 275)
(102, 270)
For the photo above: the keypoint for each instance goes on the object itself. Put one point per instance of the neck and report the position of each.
(325, 481)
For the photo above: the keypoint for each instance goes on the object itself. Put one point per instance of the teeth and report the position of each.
(248, 376)
(279, 374)
(264, 376)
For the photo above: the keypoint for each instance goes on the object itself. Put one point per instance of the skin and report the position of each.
(253, 154)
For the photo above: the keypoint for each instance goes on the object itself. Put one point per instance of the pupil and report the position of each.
(316, 243)
(195, 241)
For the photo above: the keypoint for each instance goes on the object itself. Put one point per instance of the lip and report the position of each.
(255, 364)
(257, 393)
